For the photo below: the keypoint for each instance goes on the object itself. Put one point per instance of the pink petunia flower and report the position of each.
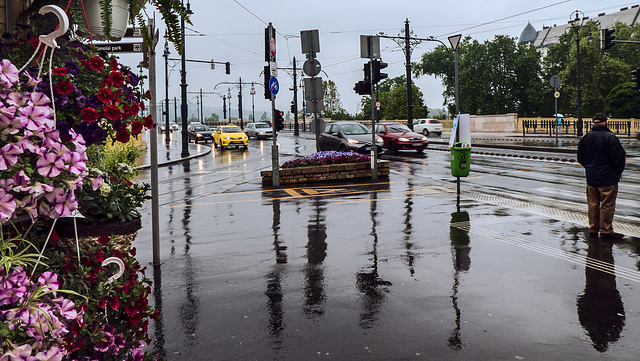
(36, 118)
(39, 99)
(9, 156)
(8, 73)
(66, 205)
(50, 165)
(75, 163)
(16, 99)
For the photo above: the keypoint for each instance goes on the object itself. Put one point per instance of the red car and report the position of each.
(397, 136)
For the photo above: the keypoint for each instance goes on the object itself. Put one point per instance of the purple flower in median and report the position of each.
(50, 165)
(326, 157)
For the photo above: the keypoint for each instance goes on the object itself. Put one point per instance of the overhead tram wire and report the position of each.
(222, 41)
(504, 18)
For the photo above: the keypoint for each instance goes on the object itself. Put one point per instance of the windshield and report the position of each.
(231, 130)
(262, 125)
(199, 128)
(354, 128)
(398, 128)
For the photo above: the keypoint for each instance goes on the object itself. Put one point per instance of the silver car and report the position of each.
(258, 130)
(348, 136)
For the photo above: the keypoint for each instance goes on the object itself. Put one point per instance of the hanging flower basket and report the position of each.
(108, 22)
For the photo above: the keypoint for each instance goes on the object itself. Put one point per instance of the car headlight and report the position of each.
(352, 141)
(226, 138)
(244, 137)
(379, 140)
(403, 139)
(423, 138)
(198, 135)
(261, 132)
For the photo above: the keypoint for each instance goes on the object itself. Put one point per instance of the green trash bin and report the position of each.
(460, 159)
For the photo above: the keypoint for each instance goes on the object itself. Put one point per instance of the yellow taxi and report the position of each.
(228, 135)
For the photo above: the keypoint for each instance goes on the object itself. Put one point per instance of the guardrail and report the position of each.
(548, 126)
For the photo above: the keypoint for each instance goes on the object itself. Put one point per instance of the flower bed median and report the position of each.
(326, 166)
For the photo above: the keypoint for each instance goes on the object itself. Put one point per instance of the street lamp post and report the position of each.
(229, 97)
(577, 24)
(183, 85)
(240, 103)
(253, 108)
(166, 88)
(224, 107)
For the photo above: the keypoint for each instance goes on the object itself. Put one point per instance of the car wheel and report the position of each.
(392, 148)
(195, 141)
(439, 134)
(343, 148)
(420, 150)
(425, 132)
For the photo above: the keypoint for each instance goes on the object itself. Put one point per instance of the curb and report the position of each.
(164, 164)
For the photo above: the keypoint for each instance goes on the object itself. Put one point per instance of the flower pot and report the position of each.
(119, 19)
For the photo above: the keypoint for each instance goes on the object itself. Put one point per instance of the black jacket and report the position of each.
(602, 157)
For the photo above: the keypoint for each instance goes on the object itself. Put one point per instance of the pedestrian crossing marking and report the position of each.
(292, 192)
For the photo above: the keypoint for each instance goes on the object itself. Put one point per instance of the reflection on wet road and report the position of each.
(381, 271)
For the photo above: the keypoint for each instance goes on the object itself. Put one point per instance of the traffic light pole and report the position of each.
(296, 130)
(374, 150)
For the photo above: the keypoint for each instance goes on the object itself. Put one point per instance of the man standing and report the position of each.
(603, 159)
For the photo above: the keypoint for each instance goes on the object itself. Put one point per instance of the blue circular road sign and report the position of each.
(274, 86)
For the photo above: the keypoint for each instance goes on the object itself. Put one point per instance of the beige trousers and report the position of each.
(601, 202)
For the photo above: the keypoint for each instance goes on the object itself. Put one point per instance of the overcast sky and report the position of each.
(233, 30)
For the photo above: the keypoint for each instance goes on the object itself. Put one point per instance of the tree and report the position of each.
(331, 101)
(498, 76)
(213, 118)
(623, 102)
(264, 116)
(392, 94)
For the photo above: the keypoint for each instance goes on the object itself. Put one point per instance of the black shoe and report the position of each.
(593, 234)
(613, 235)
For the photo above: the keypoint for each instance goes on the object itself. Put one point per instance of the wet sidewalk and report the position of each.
(171, 152)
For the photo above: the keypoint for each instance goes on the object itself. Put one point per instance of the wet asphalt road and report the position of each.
(393, 270)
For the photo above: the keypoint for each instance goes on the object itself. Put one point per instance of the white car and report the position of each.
(427, 127)
(174, 127)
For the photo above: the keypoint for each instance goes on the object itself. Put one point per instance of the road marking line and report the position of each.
(293, 193)
(310, 191)
(571, 257)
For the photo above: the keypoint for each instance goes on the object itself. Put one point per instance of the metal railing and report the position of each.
(548, 126)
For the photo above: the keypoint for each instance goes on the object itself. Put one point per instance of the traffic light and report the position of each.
(377, 75)
(608, 39)
(267, 75)
(293, 107)
(363, 87)
(635, 77)
(227, 68)
(280, 120)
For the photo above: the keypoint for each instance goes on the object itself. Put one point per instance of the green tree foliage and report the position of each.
(213, 118)
(392, 94)
(332, 104)
(494, 77)
(623, 102)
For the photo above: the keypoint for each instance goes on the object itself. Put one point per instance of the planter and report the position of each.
(324, 173)
(119, 19)
(121, 233)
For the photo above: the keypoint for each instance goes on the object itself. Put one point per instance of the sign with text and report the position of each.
(120, 47)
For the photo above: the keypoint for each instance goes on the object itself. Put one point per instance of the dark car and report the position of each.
(199, 132)
(348, 136)
(258, 130)
(398, 136)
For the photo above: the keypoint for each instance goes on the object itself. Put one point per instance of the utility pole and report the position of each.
(166, 87)
(201, 108)
(296, 130)
(240, 103)
(183, 85)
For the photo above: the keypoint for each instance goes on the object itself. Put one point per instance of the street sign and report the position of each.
(555, 81)
(313, 89)
(317, 125)
(454, 40)
(272, 47)
(311, 67)
(120, 47)
(378, 105)
(133, 33)
(369, 47)
(556, 95)
(273, 85)
(310, 41)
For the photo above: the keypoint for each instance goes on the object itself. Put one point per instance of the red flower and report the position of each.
(135, 319)
(95, 63)
(135, 108)
(106, 82)
(130, 310)
(105, 95)
(64, 87)
(104, 239)
(99, 256)
(59, 71)
(155, 315)
(114, 63)
(89, 114)
(71, 346)
(122, 135)
(34, 42)
(148, 122)
(136, 127)
(114, 303)
(76, 327)
(112, 112)
(102, 303)
(132, 251)
(116, 78)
